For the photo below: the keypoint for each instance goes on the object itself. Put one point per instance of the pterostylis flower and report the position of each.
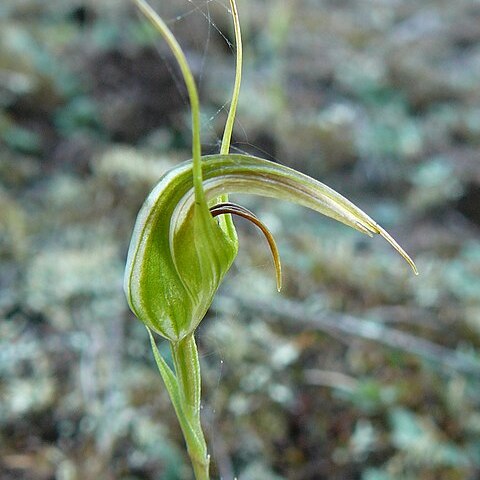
(184, 241)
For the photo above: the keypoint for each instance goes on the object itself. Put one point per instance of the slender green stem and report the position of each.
(177, 51)
(226, 221)
(227, 134)
(201, 469)
(187, 369)
(183, 387)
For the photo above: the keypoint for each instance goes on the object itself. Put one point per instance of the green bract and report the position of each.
(184, 242)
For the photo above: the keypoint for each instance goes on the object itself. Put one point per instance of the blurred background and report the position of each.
(358, 369)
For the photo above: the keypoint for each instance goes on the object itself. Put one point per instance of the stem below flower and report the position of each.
(186, 400)
(187, 369)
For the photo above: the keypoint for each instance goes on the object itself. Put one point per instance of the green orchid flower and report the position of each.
(179, 254)
(184, 241)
